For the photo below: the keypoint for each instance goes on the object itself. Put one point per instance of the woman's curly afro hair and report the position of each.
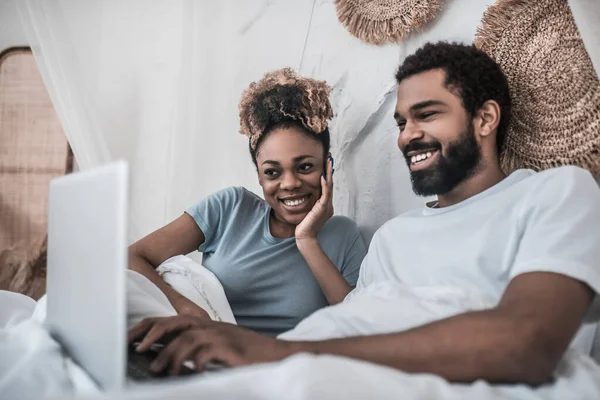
(283, 98)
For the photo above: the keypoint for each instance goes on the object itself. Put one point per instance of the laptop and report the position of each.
(86, 279)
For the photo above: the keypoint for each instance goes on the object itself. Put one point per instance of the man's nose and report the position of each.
(410, 133)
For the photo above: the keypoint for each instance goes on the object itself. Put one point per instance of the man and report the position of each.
(530, 241)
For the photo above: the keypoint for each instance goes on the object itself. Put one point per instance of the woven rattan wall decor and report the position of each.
(385, 21)
(554, 88)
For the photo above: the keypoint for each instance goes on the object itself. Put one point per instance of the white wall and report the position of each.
(11, 34)
(371, 179)
(373, 183)
(238, 43)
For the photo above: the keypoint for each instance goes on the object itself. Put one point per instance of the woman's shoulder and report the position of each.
(248, 196)
(231, 198)
(237, 194)
(246, 201)
(339, 235)
(339, 224)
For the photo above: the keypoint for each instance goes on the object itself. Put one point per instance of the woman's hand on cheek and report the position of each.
(310, 226)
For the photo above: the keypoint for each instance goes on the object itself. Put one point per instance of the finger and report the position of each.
(220, 355)
(330, 191)
(324, 189)
(167, 353)
(162, 328)
(190, 343)
(330, 171)
(327, 185)
(139, 329)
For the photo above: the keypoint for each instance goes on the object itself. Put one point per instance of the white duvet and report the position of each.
(32, 365)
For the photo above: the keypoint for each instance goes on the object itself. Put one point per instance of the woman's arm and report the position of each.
(181, 236)
(333, 284)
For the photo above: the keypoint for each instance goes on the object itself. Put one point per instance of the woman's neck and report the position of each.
(280, 229)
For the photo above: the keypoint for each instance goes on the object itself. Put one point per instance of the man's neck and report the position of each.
(477, 183)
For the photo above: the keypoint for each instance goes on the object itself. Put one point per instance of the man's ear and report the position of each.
(488, 118)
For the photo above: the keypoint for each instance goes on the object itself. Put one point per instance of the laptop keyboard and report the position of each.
(138, 365)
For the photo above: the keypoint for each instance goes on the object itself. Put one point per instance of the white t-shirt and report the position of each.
(547, 221)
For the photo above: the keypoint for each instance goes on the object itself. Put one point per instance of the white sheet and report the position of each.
(145, 300)
(31, 362)
(199, 285)
(381, 308)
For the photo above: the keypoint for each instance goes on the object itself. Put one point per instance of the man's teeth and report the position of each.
(420, 157)
(296, 202)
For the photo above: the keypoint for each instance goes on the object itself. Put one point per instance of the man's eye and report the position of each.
(401, 125)
(428, 114)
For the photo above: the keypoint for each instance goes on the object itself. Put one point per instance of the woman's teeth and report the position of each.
(295, 202)
(421, 157)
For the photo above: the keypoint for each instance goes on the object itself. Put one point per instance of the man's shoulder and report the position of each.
(561, 181)
(390, 226)
(559, 175)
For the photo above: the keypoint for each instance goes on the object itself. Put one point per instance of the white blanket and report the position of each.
(189, 278)
(381, 308)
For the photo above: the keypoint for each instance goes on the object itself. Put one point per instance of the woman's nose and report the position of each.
(290, 181)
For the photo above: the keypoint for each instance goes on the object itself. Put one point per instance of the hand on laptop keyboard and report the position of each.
(138, 364)
(205, 342)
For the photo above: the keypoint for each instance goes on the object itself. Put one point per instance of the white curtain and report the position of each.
(157, 83)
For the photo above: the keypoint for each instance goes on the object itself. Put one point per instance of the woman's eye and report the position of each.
(271, 173)
(305, 167)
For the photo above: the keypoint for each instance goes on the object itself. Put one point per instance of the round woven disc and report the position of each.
(555, 90)
(381, 21)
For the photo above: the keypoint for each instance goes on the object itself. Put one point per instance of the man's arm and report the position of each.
(521, 340)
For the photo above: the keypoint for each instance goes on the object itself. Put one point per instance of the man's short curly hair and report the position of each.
(470, 72)
(282, 99)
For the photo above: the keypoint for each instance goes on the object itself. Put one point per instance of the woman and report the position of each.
(281, 258)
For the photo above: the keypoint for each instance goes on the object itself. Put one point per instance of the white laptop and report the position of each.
(87, 263)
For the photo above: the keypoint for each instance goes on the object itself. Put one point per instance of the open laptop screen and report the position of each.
(87, 263)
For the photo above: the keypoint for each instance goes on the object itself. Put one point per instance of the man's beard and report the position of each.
(461, 162)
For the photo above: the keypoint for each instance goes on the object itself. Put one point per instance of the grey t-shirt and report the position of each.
(269, 285)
